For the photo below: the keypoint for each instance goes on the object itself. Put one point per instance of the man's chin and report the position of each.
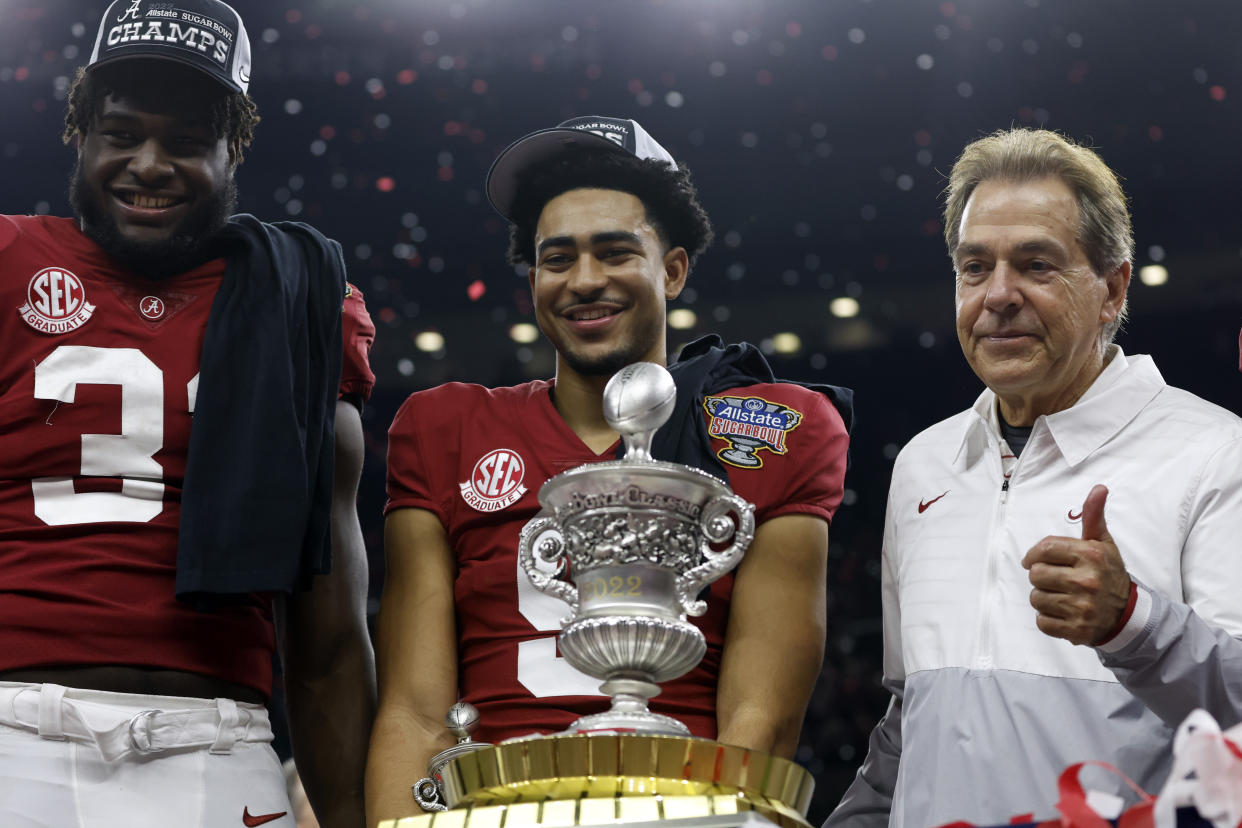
(600, 365)
(1009, 377)
(152, 255)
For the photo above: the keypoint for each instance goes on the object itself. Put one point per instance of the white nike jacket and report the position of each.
(986, 709)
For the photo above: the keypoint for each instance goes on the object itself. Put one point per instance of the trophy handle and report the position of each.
(551, 550)
(461, 719)
(427, 795)
(717, 527)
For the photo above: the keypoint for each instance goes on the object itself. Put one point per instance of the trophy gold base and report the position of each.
(561, 813)
(580, 779)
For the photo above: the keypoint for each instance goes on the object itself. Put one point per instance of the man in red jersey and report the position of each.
(178, 428)
(609, 226)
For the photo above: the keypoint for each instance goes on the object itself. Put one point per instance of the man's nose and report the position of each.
(587, 275)
(1004, 288)
(149, 163)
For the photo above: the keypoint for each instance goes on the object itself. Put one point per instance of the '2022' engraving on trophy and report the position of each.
(599, 587)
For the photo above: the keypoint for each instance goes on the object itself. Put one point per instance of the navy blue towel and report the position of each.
(258, 485)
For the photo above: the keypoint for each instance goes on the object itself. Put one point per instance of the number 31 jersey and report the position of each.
(476, 457)
(97, 393)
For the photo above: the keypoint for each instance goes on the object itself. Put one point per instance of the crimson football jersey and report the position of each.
(476, 457)
(97, 392)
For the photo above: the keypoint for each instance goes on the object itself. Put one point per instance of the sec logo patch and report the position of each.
(496, 481)
(55, 302)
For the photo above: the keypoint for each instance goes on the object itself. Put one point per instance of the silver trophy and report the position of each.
(632, 543)
(462, 720)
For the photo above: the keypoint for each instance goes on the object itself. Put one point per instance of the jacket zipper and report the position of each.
(983, 659)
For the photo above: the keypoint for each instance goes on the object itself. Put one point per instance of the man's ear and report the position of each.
(676, 269)
(1118, 283)
(530, 277)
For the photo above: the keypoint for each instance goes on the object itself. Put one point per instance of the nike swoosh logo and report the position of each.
(1073, 516)
(923, 506)
(252, 821)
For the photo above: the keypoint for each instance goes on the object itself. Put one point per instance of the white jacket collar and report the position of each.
(1118, 394)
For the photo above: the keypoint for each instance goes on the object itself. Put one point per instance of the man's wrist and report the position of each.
(1136, 618)
(1131, 602)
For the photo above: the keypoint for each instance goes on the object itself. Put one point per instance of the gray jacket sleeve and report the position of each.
(1179, 662)
(1187, 649)
(869, 798)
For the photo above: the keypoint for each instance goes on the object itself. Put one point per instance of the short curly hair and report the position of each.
(232, 115)
(667, 194)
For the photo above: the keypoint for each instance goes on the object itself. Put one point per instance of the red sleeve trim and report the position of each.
(415, 503)
(1125, 616)
(812, 509)
(355, 386)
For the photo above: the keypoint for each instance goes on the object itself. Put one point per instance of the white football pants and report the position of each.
(87, 759)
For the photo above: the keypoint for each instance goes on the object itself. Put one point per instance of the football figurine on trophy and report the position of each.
(633, 542)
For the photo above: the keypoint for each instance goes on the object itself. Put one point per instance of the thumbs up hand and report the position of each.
(1080, 585)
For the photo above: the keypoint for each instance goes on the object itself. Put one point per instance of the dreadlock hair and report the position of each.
(668, 195)
(229, 114)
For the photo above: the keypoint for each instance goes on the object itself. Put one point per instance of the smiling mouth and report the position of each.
(147, 202)
(1002, 338)
(590, 314)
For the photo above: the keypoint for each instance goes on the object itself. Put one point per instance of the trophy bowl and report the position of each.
(607, 645)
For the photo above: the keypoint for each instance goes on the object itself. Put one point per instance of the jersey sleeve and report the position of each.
(357, 334)
(410, 483)
(9, 232)
(790, 458)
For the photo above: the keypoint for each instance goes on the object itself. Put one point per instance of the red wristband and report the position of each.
(1125, 616)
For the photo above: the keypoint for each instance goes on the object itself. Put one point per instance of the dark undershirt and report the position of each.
(1015, 436)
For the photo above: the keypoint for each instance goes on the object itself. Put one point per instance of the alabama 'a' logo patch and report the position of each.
(154, 309)
(496, 481)
(56, 302)
(750, 425)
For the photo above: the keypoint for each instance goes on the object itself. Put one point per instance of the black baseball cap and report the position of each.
(207, 35)
(591, 131)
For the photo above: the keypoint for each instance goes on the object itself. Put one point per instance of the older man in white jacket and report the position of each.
(1027, 627)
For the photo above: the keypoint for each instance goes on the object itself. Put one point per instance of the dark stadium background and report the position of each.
(819, 133)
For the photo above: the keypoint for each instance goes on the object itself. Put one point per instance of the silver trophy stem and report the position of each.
(638, 446)
(629, 710)
(630, 695)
